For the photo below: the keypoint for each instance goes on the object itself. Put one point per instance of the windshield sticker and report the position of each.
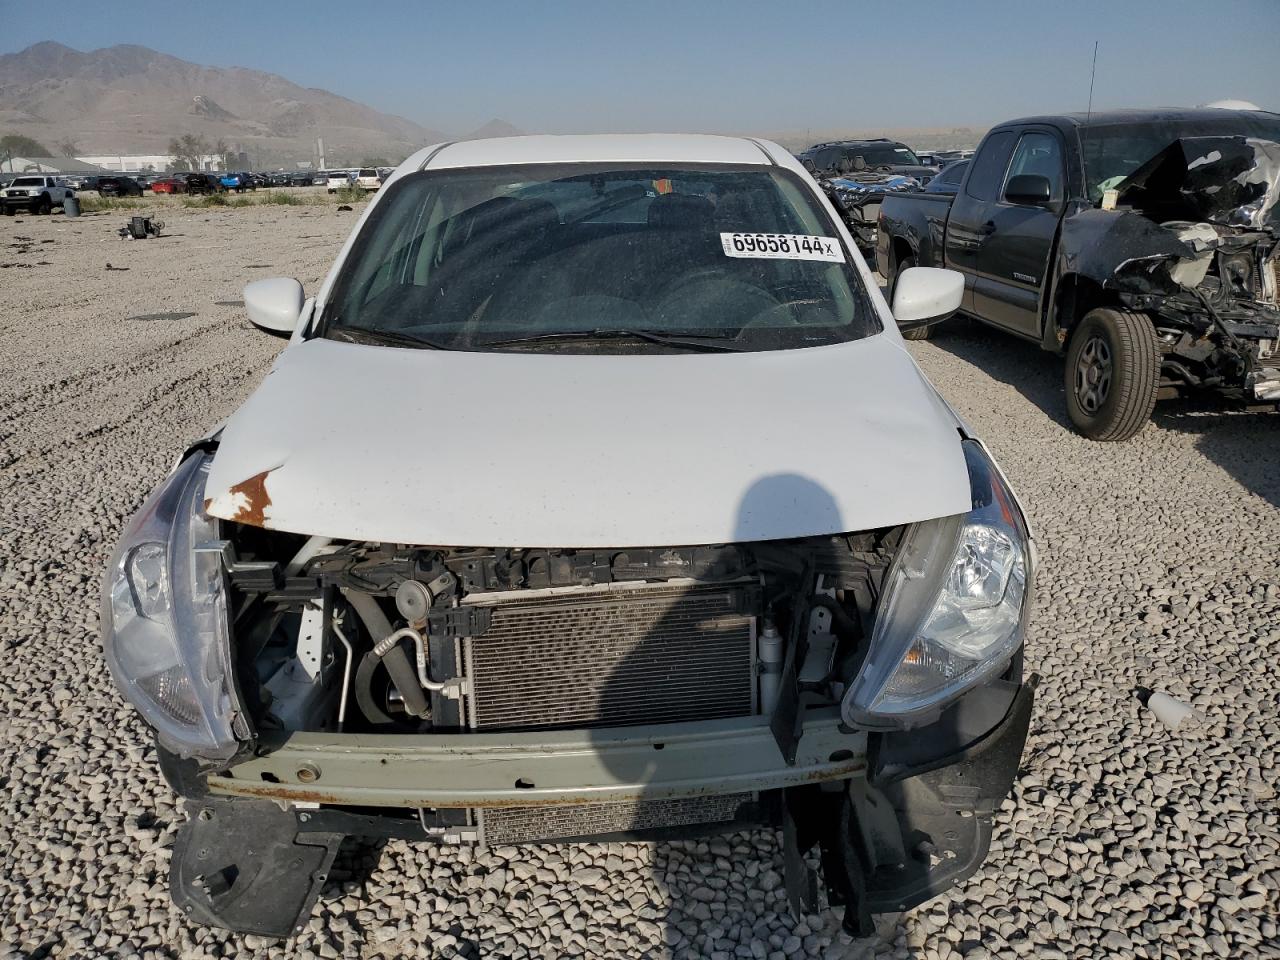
(782, 246)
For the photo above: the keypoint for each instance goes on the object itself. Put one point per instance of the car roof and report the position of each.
(596, 148)
(1102, 118)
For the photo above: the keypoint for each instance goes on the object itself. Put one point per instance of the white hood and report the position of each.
(543, 450)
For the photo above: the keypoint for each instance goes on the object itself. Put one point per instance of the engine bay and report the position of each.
(388, 638)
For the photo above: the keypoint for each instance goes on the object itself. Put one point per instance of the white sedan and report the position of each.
(595, 495)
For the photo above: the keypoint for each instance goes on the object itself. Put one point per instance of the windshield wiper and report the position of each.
(388, 338)
(708, 343)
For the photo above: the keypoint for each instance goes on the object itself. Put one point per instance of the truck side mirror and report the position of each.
(1028, 188)
(926, 295)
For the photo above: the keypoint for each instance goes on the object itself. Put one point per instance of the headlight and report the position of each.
(953, 609)
(165, 632)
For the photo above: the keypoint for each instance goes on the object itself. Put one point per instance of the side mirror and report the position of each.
(274, 305)
(1028, 188)
(925, 296)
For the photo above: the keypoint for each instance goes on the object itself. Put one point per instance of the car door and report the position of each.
(965, 222)
(1012, 260)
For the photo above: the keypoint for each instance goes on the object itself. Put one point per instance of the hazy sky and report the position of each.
(705, 64)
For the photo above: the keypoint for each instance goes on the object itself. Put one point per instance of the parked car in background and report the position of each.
(843, 157)
(338, 180)
(301, 178)
(815, 622)
(239, 182)
(1143, 245)
(119, 186)
(948, 179)
(858, 196)
(82, 182)
(367, 179)
(37, 193)
(320, 178)
(170, 183)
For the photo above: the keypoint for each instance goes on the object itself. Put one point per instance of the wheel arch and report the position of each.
(1074, 296)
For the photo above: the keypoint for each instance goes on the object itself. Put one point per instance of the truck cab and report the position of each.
(1143, 245)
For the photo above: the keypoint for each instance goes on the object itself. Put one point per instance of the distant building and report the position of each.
(47, 165)
(161, 162)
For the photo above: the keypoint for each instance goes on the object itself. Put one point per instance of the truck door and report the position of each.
(1012, 260)
(965, 230)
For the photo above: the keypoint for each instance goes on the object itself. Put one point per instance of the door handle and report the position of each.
(987, 229)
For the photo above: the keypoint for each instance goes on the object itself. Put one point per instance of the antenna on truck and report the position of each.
(1092, 73)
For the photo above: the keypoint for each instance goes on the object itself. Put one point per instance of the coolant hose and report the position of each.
(396, 660)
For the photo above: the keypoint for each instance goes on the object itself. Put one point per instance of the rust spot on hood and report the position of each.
(245, 502)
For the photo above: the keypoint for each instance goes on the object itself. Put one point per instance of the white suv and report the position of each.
(368, 179)
(35, 192)
(338, 180)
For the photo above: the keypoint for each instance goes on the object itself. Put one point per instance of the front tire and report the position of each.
(44, 206)
(1112, 374)
(919, 333)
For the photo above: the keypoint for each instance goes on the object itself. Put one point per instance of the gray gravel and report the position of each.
(1158, 570)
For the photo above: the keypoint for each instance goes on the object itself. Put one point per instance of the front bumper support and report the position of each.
(557, 767)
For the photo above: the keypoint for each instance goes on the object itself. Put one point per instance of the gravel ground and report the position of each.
(1121, 839)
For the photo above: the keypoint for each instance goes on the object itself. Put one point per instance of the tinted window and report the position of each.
(878, 154)
(989, 166)
(954, 173)
(28, 182)
(1039, 154)
(467, 258)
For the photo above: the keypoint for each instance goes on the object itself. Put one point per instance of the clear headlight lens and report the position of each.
(165, 632)
(953, 609)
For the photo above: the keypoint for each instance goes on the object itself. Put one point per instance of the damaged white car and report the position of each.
(595, 496)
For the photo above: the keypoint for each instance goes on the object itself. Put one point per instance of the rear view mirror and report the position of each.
(925, 296)
(274, 305)
(1028, 188)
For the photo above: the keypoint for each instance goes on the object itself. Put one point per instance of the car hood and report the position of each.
(1229, 180)
(553, 450)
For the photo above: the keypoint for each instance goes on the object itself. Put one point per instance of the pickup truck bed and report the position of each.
(1143, 245)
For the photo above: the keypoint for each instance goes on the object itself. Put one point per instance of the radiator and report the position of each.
(523, 824)
(613, 657)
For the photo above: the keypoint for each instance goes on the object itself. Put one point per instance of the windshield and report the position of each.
(877, 154)
(29, 182)
(1114, 151)
(600, 258)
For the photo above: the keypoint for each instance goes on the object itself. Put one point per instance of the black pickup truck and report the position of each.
(1143, 245)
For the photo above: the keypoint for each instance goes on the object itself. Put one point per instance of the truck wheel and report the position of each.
(1112, 374)
(44, 205)
(919, 333)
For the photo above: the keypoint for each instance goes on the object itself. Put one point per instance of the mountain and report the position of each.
(133, 100)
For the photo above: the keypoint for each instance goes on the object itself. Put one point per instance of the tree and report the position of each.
(189, 151)
(16, 145)
(67, 148)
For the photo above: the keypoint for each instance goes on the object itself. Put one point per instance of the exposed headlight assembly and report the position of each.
(953, 610)
(165, 631)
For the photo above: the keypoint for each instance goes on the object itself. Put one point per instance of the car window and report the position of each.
(954, 173)
(28, 182)
(1040, 154)
(989, 165)
(466, 258)
(881, 154)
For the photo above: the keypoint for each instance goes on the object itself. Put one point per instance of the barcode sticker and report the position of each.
(782, 246)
